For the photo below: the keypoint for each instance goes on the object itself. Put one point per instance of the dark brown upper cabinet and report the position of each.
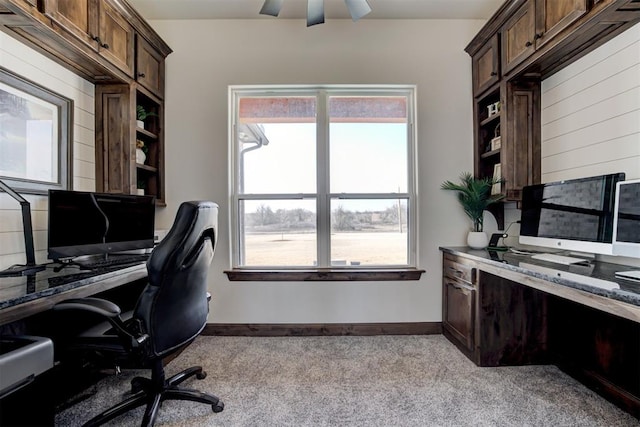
(99, 25)
(149, 67)
(534, 24)
(486, 66)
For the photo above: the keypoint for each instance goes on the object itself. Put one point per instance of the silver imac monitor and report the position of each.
(626, 225)
(574, 215)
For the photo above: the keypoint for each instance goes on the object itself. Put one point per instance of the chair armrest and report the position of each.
(95, 305)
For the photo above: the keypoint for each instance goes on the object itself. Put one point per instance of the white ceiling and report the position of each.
(334, 9)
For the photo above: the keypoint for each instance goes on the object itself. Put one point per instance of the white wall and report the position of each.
(27, 63)
(211, 55)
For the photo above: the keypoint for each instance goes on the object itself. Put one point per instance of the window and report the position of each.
(323, 177)
(34, 136)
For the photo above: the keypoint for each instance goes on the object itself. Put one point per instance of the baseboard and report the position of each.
(321, 329)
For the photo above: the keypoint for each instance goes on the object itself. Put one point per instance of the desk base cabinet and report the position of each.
(495, 321)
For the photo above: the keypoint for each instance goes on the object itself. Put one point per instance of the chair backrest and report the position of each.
(173, 307)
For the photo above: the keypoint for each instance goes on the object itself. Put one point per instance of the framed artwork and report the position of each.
(497, 173)
(35, 136)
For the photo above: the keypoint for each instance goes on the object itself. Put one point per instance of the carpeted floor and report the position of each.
(360, 381)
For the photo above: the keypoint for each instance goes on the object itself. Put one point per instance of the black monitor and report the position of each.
(87, 223)
(575, 214)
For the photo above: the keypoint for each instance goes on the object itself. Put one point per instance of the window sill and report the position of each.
(326, 275)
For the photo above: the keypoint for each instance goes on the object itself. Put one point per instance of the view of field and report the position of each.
(299, 249)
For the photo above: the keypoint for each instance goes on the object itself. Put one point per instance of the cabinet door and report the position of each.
(458, 311)
(149, 67)
(79, 17)
(116, 38)
(486, 66)
(518, 37)
(521, 145)
(553, 16)
(115, 139)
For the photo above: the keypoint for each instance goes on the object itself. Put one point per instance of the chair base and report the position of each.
(153, 391)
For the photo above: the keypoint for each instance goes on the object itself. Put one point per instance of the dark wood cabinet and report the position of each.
(486, 66)
(99, 25)
(523, 43)
(149, 67)
(518, 36)
(458, 303)
(104, 41)
(553, 16)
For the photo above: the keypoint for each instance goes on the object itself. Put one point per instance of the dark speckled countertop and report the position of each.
(578, 277)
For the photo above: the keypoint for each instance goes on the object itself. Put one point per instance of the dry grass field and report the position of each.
(280, 249)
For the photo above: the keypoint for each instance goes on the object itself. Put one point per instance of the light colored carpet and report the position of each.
(359, 381)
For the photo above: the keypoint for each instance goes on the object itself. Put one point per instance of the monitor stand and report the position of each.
(560, 259)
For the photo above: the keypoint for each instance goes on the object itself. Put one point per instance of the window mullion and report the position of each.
(323, 182)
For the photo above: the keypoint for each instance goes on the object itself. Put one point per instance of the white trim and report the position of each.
(323, 196)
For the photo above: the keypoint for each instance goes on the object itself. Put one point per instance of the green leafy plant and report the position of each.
(142, 114)
(474, 194)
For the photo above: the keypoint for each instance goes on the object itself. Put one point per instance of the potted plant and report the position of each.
(474, 194)
(142, 114)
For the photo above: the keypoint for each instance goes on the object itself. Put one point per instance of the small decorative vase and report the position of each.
(140, 156)
(140, 124)
(477, 240)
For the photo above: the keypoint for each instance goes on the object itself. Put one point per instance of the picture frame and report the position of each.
(496, 143)
(35, 136)
(497, 174)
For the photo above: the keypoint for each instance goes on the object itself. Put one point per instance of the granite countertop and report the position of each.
(22, 289)
(595, 277)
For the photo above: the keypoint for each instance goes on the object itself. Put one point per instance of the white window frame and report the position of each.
(323, 196)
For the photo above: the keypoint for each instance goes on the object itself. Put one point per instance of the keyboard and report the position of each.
(113, 261)
(558, 259)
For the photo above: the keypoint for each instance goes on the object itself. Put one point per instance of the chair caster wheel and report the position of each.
(137, 385)
(201, 375)
(217, 407)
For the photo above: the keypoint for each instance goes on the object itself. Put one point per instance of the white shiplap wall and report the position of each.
(27, 63)
(591, 113)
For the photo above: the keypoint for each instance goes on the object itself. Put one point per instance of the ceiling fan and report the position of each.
(315, 9)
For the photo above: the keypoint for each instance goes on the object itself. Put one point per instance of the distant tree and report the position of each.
(264, 215)
(343, 219)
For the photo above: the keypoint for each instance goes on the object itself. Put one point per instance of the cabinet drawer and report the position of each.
(456, 268)
(459, 311)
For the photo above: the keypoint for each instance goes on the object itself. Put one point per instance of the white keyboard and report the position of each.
(558, 259)
(585, 280)
(630, 275)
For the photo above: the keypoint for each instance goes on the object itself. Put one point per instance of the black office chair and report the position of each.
(171, 311)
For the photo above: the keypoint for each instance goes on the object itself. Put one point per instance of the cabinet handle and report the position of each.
(527, 44)
(493, 73)
(97, 39)
(141, 75)
(538, 36)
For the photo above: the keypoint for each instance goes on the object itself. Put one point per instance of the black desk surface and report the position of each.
(629, 291)
(26, 295)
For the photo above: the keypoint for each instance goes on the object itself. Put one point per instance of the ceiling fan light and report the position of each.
(358, 8)
(315, 12)
(271, 7)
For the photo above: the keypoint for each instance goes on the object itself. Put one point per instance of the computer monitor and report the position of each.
(87, 223)
(626, 225)
(576, 214)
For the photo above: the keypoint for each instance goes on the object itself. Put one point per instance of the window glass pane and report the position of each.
(278, 233)
(369, 232)
(28, 136)
(368, 144)
(277, 145)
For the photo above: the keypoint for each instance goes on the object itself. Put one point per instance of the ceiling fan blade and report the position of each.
(271, 7)
(357, 8)
(315, 12)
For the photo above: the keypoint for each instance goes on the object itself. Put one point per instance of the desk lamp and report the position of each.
(30, 267)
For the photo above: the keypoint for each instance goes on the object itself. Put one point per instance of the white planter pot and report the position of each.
(140, 124)
(477, 240)
(140, 156)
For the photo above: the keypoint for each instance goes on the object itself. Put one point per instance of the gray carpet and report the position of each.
(360, 381)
